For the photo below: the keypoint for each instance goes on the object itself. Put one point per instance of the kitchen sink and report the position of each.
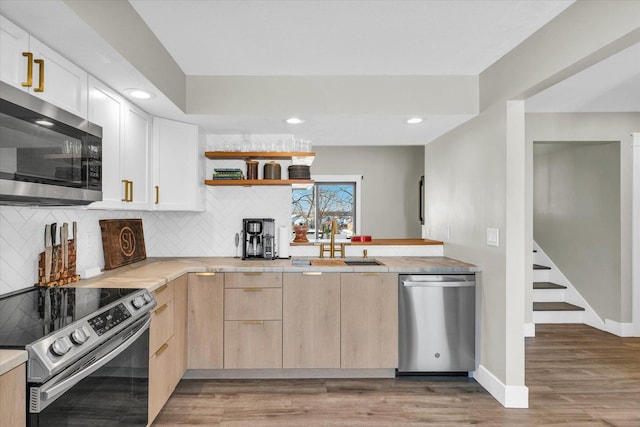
(362, 261)
(335, 262)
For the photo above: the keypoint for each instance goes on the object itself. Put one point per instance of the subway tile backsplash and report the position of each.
(208, 233)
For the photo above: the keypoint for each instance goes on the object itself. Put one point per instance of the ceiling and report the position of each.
(328, 38)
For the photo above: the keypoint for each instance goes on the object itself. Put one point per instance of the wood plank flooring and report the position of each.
(577, 376)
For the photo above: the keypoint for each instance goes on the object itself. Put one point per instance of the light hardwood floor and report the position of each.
(577, 376)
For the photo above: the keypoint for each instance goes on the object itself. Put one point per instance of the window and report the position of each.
(330, 196)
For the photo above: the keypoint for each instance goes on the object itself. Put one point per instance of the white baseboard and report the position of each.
(529, 329)
(620, 329)
(508, 395)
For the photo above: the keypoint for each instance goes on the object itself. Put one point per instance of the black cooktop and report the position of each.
(30, 314)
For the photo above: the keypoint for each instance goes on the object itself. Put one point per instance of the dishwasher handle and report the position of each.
(461, 284)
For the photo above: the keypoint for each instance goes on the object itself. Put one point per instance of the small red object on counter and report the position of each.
(360, 238)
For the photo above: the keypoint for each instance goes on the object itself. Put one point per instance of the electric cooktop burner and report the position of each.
(30, 314)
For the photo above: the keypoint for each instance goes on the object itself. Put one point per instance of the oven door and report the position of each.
(110, 388)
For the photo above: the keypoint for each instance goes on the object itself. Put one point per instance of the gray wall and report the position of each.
(576, 217)
(389, 185)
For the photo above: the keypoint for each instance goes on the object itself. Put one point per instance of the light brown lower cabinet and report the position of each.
(311, 320)
(253, 344)
(13, 397)
(369, 320)
(205, 321)
(167, 343)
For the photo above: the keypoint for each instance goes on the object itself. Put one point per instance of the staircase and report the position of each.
(550, 299)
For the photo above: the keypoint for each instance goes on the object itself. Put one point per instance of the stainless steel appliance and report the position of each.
(259, 238)
(48, 156)
(88, 353)
(436, 323)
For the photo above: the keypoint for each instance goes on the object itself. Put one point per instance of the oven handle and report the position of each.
(55, 389)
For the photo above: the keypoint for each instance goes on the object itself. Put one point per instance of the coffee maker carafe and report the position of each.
(259, 240)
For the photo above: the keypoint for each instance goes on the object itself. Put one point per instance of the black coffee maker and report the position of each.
(258, 238)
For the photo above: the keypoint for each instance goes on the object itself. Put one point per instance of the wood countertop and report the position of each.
(155, 272)
(377, 242)
(9, 359)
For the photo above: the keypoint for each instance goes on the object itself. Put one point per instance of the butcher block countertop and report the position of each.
(378, 242)
(155, 272)
(9, 359)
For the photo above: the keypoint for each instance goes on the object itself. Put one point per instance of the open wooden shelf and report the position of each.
(249, 182)
(243, 155)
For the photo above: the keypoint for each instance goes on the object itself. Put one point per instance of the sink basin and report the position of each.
(362, 261)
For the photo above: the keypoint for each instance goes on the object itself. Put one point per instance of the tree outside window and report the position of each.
(317, 206)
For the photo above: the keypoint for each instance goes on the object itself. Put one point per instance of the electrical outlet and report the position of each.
(493, 237)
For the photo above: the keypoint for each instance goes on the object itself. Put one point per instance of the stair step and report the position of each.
(540, 267)
(547, 285)
(555, 306)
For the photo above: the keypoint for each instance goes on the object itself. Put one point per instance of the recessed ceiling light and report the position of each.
(139, 93)
(294, 121)
(414, 120)
(43, 122)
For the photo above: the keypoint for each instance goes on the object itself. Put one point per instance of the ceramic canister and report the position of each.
(272, 170)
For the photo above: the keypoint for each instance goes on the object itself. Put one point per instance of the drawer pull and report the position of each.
(253, 322)
(312, 273)
(252, 273)
(161, 308)
(162, 348)
(209, 273)
(370, 273)
(161, 288)
(252, 289)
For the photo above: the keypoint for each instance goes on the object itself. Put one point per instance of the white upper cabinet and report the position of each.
(30, 65)
(176, 166)
(125, 149)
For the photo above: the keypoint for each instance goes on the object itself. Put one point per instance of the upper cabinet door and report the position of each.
(13, 42)
(176, 159)
(32, 66)
(106, 109)
(57, 80)
(135, 157)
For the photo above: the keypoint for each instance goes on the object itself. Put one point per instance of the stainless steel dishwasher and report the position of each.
(437, 323)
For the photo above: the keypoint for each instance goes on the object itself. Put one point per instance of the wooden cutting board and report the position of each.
(328, 262)
(122, 242)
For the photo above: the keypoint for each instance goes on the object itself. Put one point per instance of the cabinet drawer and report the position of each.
(164, 293)
(253, 344)
(162, 325)
(253, 304)
(161, 377)
(253, 280)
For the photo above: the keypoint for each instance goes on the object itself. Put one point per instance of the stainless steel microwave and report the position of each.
(48, 156)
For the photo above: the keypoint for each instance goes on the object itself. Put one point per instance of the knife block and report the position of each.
(59, 275)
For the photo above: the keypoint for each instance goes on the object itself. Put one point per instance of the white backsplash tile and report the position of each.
(208, 233)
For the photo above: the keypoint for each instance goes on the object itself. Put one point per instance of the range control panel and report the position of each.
(109, 319)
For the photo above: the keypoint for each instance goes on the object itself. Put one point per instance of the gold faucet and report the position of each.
(332, 247)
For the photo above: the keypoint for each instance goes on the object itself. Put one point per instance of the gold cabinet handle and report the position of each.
(130, 191)
(312, 273)
(161, 288)
(162, 349)
(157, 194)
(40, 87)
(253, 322)
(252, 273)
(160, 309)
(126, 190)
(252, 289)
(210, 273)
(29, 81)
(370, 273)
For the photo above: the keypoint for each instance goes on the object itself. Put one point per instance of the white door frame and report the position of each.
(635, 227)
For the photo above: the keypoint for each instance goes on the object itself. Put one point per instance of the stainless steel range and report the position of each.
(88, 353)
